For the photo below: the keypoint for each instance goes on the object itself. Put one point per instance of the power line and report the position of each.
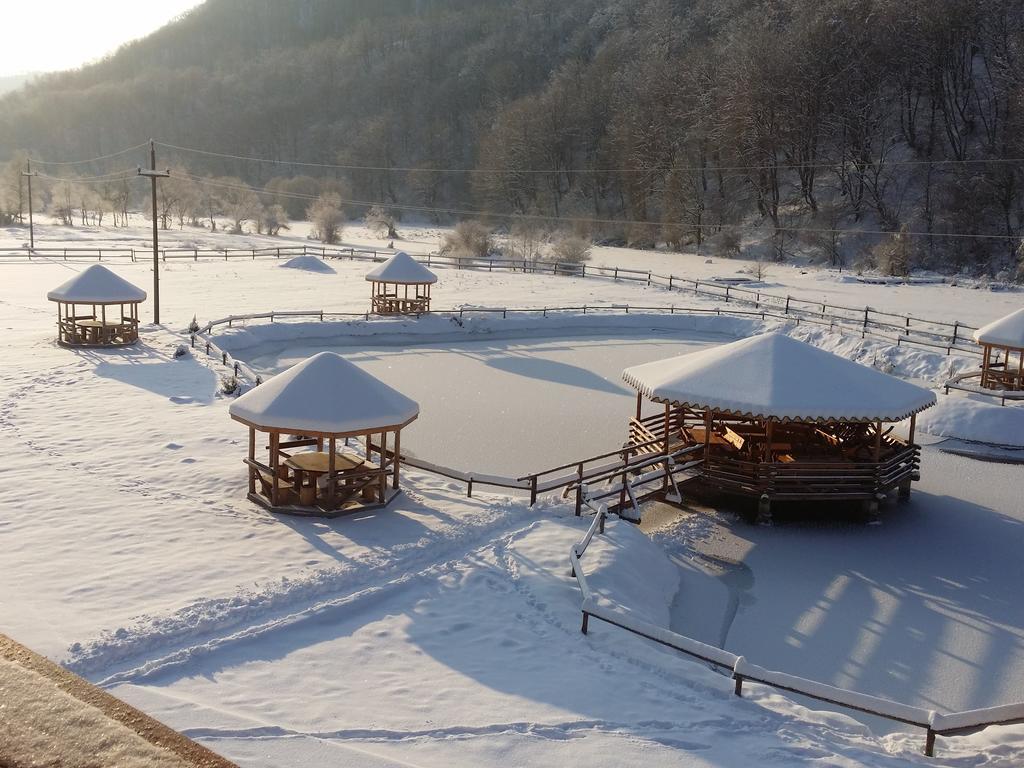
(91, 160)
(653, 169)
(112, 176)
(542, 217)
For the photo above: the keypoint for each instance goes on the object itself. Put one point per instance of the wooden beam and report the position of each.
(398, 458)
(252, 457)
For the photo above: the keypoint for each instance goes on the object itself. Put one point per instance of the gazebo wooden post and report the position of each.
(275, 439)
(398, 459)
(369, 448)
(913, 428)
(639, 405)
(664, 480)
(383, 481)
(769, 428)
(708, 423)
(878, 441)
(985, 363)
(252, 457)
(332, 447)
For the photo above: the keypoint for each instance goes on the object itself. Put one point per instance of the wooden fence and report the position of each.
(740, 670)
(893, 327)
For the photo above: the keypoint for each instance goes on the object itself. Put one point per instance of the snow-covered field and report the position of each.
(445, 630)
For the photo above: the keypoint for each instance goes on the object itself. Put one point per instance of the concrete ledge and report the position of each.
(51, 717)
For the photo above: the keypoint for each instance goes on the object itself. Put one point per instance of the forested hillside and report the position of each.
(813, 127)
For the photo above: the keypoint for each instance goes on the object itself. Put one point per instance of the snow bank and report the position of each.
(309, 264)
(976, 421)
(628, 572)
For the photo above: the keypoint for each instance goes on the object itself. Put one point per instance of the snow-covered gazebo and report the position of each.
(97, 308)
(390, 284)
(779, 419)
(1002, 343)
(321, 402)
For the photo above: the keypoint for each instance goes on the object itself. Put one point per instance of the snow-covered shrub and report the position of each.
(727, 244)
(894, 256)
(469, 240)
(571, 250)
(327, 217)
(181, 350)
(380, 222)
(193, 327)
(229, 384)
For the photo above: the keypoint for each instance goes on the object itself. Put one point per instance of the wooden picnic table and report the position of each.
(98, 330)
(314, 464)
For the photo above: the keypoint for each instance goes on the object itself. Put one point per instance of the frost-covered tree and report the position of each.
(327, 217)
(469, 240)
(381, 222)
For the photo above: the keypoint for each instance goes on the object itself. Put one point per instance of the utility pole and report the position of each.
(27, 173)
(153, 175)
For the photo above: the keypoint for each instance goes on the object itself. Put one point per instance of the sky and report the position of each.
(47, 35)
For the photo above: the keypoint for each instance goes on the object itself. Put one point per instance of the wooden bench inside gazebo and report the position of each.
(97, 308)
(1002, 343)
(328, 427)
(781, 420)
(400, 286)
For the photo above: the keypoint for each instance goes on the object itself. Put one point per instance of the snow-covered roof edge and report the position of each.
(325, 394)
(719, 399)
(97, 285)
(402, 269)
(1005, 332)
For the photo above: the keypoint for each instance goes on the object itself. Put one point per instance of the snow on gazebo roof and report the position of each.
(402, 269)
(97, 285)
(325, 394)
(775, 376)
(1005, 332)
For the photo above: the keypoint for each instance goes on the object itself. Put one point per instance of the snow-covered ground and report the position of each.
(445, 630)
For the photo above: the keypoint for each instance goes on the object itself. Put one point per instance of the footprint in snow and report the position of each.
(182, 399)
(173, 446)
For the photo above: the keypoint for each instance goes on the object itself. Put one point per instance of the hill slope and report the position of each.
(703, 117)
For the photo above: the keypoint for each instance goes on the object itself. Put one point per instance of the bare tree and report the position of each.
(327, 217)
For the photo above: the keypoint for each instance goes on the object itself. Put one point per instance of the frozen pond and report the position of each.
(508, 407)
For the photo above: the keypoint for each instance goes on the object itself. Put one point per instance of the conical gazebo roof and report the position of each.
(402, 269)
(1005, 332)
(97, 285)
(325, 394)
(773, 376)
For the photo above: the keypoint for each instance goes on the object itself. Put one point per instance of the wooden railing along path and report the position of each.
(741, 670)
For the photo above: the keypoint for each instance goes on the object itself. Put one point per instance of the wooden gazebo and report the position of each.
(400, 286)
(781, 420)
(310, 415)
(97, 308)
(1002, 342)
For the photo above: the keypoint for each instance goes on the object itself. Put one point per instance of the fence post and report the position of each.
(727, 294)
(533, 490)
(579, 489)
(586, 618)
(929, 743)
(616, 273)
(224, 358)
(584, 266)
(648, 279)
(469, 488)
(670, 282)
(738, 689)
(866, 311)
(956, 330)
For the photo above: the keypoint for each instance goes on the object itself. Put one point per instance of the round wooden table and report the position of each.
(314, 464)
